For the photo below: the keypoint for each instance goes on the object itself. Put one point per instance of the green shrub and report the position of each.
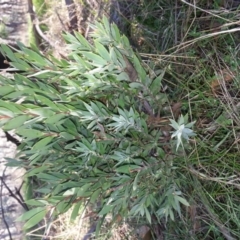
(87, 134)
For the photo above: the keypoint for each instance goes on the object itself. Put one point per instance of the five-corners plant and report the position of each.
(85, 123)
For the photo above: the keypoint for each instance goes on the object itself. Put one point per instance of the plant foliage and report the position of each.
(86, 134)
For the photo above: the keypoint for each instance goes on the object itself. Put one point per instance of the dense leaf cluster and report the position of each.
(86, 134)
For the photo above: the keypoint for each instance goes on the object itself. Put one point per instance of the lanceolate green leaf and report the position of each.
(67, 136)
(37, 170)
(135, 183)
(4, 90)
(46, 101)
(6, 51)
(116, 33)
(29, 214)
(83, 189)
(76, 210)
(42, 143)
(38, 203)
(6, 112)
(102, 51)
(42, 112)
(49, 177)
(16, 122)
(15, 108)
(106, 209)
(23, 80)
(36, 57)
(13, 163)
(182, 200)
(20, 66)
(95, 196)
(156, 84)
(96, 59)
(35, 219)
(30, 133)
(106, 25)
(83, 41)
(55, 119)
(127, 168)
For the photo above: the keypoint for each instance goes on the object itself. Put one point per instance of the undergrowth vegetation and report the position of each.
(145, 133)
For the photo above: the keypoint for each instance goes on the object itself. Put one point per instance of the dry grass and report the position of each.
(57, 21)
(62, 227)
(83, 227)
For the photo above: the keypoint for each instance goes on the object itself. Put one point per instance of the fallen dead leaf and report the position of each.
(176, 109)
(225, 76)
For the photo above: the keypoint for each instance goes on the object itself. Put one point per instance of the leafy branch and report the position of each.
(83, 121)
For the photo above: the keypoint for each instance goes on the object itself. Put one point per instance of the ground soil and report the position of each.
(14, 27)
